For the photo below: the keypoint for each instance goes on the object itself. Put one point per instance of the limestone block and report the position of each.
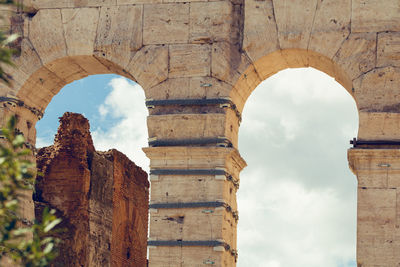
(18, 77)
(29, 61)
(375, 16)
(373, 251)
(47, 22)
(167, 89)
(193, 224)
(357, 55)
(80, 26)
(189, 126)
(189, 257)
(192, 188)
(189, 60)
(67, 69)
(393, 181)
(373, 178)
(260, 35)
(91, 65)
(228, 63)
(189, 87)
(186, 126)
(331, 26)
(372, 159)
(243, 87)
(26, 123)
(376, 242)
(388, 49)
(119, 33)
(377, 208)
(40, 88)
(375, 168)
(208, 87)
(294, 20)
(378, 90)
(379, 126)
(166, 23)
(186, 188)
(270, 64)
(42, 4)
(196, 158)
(211, 21)
(135, 2)
(150, 65)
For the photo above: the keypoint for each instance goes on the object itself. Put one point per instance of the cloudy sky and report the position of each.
(297, 197)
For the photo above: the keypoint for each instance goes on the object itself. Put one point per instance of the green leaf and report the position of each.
(51, 225)
(48, 248)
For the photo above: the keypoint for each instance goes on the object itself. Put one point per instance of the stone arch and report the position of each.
(62, 43)
(276, 61)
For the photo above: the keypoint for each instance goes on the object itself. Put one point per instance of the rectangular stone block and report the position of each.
(260, 31)
(375, 16)
(40, 84)
(357, 54)
(376, 212)
(212, 21)
(377, 251)
(120, 33)
(294, 20)
(41, 4)
(196, 158)
(47, 22)
(192, 188)
(150, 65)
(80, 36)
(189, 60)
(166, 23)
(190, 88)
(67, 70)
(378, 126)
(377, 178)
(189, 257)
(186, 126)
(228, 64)
(331, 26)
(388, 49)
(193, 224)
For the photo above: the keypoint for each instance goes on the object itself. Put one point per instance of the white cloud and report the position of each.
(125, 105)
(297, 198)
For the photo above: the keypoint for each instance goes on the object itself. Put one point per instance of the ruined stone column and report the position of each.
(378, 216)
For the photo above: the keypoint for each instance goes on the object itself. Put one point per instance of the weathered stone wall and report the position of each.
(102, 198)
(196, 50)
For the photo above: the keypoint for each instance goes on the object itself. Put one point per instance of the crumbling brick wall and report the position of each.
(102, 198)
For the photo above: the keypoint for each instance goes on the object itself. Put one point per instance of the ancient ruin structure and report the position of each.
(206, 57)
(101, 197)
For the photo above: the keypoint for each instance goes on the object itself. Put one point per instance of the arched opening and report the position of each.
(102, 197)
(114, 107)
(297, 199)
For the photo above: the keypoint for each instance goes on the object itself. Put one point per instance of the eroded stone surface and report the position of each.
(102, 198)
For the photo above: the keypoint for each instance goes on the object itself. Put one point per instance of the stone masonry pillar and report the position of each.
(193, 210)
(26, 121)
(378, 218)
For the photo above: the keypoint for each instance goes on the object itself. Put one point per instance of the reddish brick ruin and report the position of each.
(102, 198)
